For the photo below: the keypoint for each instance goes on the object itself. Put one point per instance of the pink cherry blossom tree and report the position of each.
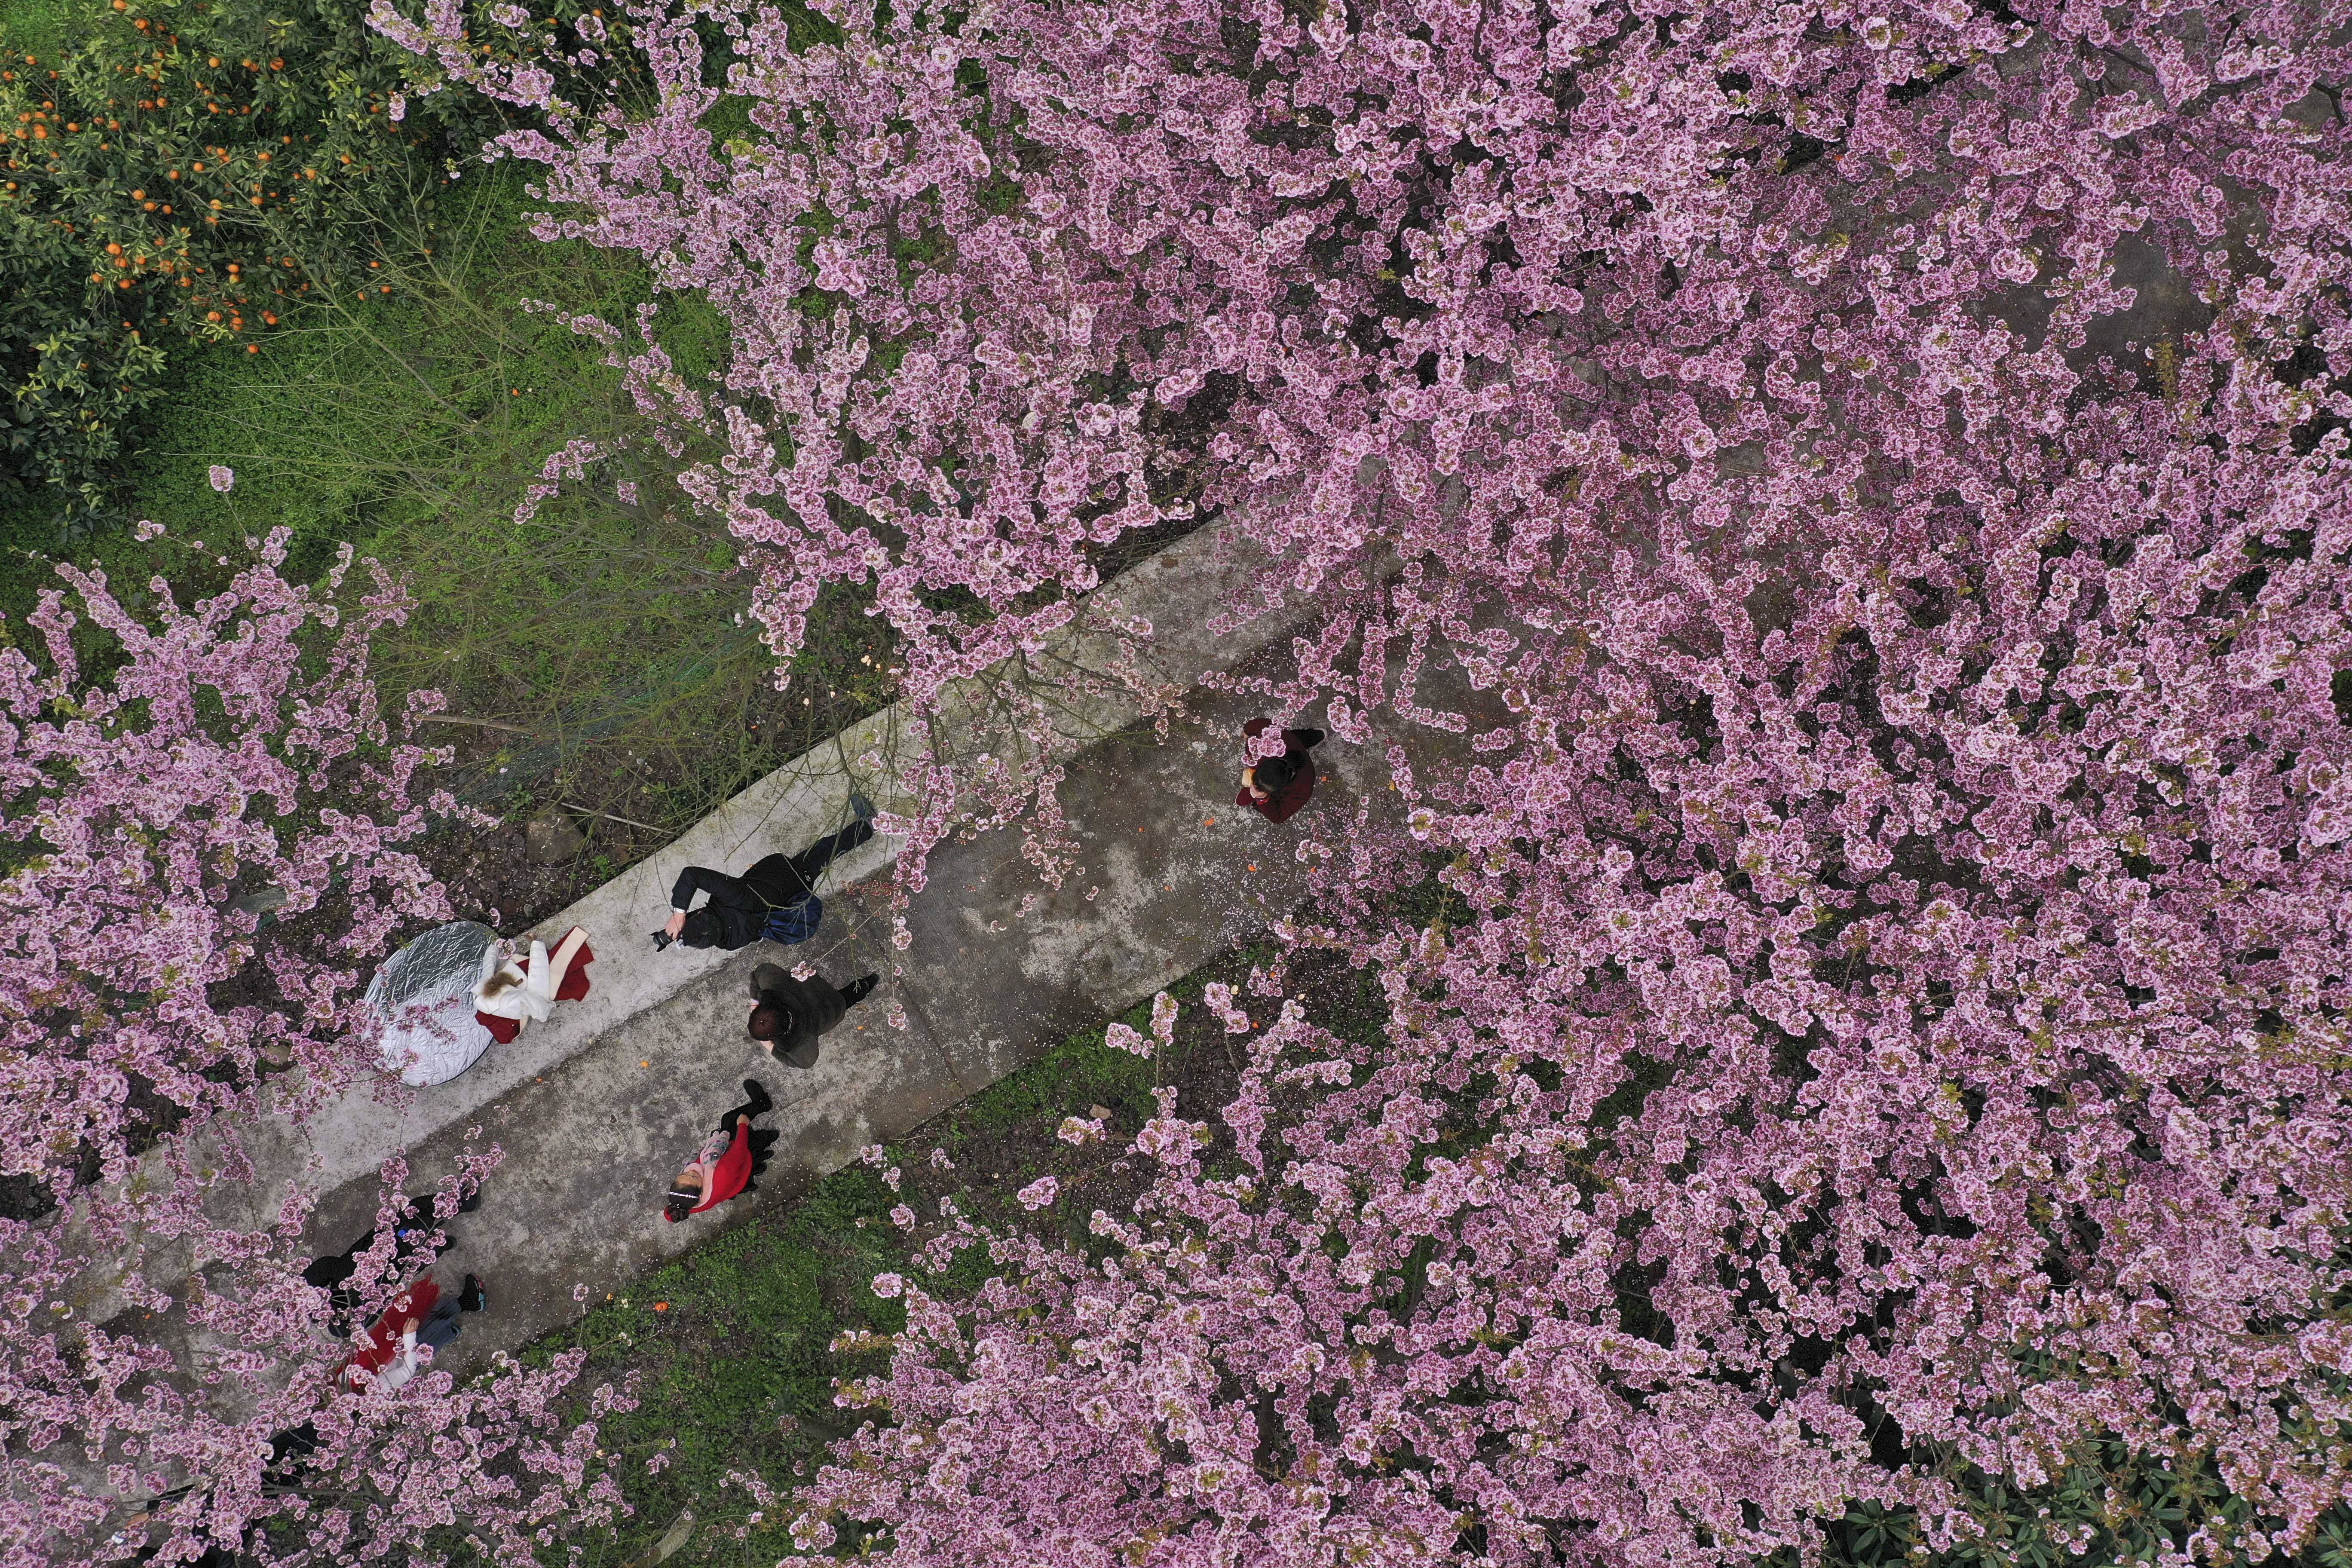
(170, 781)
(1921, 1025)
(1886, 465)
(217, 1411)
(1503, 293)
(173, 776)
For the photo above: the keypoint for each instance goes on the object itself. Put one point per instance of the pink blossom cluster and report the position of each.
(1501, 293)
(1941, 1041)
(213, 1414)
(171, 776)
(170, 780)
(1851, 502)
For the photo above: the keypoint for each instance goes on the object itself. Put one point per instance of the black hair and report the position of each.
(767, 1022)
(1274, 773)
(701, 929)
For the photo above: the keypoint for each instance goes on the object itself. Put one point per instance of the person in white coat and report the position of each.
(526, 992)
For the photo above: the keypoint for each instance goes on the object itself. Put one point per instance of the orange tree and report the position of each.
(187, 173)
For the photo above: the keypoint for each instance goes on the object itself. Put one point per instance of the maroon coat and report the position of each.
(1282, 808)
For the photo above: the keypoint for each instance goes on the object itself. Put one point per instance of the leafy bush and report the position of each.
(185, 174)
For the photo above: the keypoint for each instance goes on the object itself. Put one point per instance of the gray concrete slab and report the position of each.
(1184, 597)
(589, 1149)
(1172, 872)
(594, 1109)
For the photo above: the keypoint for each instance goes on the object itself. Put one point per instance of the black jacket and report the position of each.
(738, 905)
(333, 1272)
(813, 1007)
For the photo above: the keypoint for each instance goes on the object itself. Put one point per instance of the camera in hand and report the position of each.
(662, 939)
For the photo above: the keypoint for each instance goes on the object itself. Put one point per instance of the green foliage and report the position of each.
(185, 171)
(157, 171)
(39, 26)
(2106, 1505)
(604, 650)
(1081, 1070)
(733, 1347)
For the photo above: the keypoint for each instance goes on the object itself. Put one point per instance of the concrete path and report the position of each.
(595, 1108)
(590, 1144)
(633, 990)
(1175, 873)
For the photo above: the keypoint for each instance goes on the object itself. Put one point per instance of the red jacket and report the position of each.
(1283, 806)
(724, 1177)
(384, 1340)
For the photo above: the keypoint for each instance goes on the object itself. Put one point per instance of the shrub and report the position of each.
(185, 174)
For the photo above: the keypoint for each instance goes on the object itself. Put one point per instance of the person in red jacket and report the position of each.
(1278, 786)
(728, 1161)
(419, 1315)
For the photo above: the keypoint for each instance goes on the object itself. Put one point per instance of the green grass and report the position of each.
(38, 27)
(774, 1294)
(419, 385)
(604, 648)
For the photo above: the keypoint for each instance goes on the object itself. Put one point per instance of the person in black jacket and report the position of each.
(790, 1014)
(736, 914)
(419, 1220)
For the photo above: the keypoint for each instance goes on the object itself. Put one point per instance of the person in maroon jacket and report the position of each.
(1278, 786)
(728, 1160)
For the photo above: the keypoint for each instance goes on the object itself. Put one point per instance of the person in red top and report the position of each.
(728, 1161)
(420, 1315)
(1278, 786)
